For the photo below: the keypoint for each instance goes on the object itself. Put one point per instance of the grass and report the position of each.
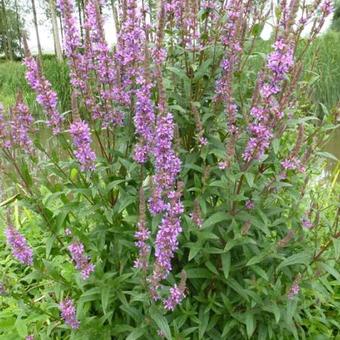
(12, 80)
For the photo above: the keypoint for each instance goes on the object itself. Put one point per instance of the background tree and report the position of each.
(11, 27)
(36, 27)
(55, 29)
(336, 17)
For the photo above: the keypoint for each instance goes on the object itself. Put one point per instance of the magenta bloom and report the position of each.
(294, 290)
(142, 236)
(144, 119)
(167, 164)
(77, 61)
(68, 313)
(81, 135)
(306, 223)
(80, 259)
(175, 298)
(20, 249)
(268, 112)
(102, 63)
(21, 125)
(130, 50)
(46, 97)
(166, 241)
(249, 204)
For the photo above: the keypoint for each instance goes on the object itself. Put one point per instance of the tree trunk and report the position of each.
(57, 45)
(18, 27)
(8, 44)
(61, 31)
(35, 21)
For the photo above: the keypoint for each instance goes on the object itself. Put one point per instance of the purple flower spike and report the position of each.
(294, 290)
(68, 313)
(306, 223)
(81, 135)
(249, 204)
(46, 97)
(20, 249)
(21, 125)
(81, 261)
(175, 298)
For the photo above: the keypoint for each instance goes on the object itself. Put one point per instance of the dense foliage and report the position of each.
(170, 190)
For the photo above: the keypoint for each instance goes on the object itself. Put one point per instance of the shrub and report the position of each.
(171, 200)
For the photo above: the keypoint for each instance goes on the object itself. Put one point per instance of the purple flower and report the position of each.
(293, 163)
(20, 249)
(166, 241)
(46, 97)
(268, 111)
(294, 290)
(327, 7)
(80, 64)
(144, 118)
(175, 298)
(306, 223)
(230, 40)
(20, 126)
(77, 62)
(130, 49)
(29, 337)
(249, 204)
(68, 313)
(81, 135)
(167, 164)
(81, 261)
(142, 235)
(103, 64)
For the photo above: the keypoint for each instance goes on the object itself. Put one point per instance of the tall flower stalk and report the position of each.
(19, 246)
(81, 136)
(46, 97)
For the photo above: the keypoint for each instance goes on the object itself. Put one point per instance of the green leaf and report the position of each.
(232, 283)
(250, 324)
(215, 218)
(198, 273)
(226, 264)
(331, 270)
(161, 322)
(136, 334)
(336, 243)
(105, 297)
(194, 250)
(211, 267)
(21, 327)
(327, 155)
(250, 178)
(303, 257)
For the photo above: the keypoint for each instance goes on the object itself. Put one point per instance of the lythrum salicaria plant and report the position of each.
(172, 198)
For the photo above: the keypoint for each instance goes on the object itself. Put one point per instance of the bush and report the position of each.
(176, 197)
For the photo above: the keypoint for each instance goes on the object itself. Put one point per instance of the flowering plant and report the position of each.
(172, 199)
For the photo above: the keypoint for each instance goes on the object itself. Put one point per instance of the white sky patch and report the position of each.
(46, 37)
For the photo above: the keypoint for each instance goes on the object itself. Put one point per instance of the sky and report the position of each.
(46, 37)
(45, 31)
